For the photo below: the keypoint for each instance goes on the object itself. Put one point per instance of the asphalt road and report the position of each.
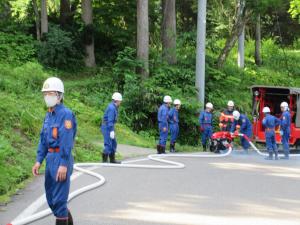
(236, 190)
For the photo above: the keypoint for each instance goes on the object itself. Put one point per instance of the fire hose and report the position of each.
(80, 167)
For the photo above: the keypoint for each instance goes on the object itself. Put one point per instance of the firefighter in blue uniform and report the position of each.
(243, 124)
(174, 123)
(163, 119)
(205, 120)
(108, 128)
(56, 144)
(285, 129)
(270, 122)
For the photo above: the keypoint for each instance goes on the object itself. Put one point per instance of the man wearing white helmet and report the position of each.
(226, 118)
(174, 123)
(205, 120)
(108, 129)
(285, 129)
(163, 118)
(242, 125)
(56, 144)
(270, 122)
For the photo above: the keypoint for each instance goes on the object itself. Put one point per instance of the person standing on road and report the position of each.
(270, 122)
(163, 119)
(174, 123)
(108, 128)
(226, 118)
(285, 129)
(56, 144)
(205, 120)
(243, 124)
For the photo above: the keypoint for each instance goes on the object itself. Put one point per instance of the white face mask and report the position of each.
(50, 100)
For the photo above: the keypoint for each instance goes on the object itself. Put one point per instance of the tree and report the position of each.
(295, 9)
(258, 60)
(143, 36)
(169, 31)
(87, 17)
(37, 19)
(242, 15)
(44, 18)
(65, 11)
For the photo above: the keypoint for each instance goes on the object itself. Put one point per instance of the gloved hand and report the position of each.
(201, 129)
(231, 133)
(112, 135)
(281, 133)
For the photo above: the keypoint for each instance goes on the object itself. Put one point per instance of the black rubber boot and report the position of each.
(163, 149)
(112, 158)
(70, 218)
(276, 155)
(270, 157)
(61, 222)
(158, 147)
(172, 149)
(204, 148)
(104, 158)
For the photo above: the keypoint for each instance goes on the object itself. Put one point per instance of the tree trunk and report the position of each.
(143, 36)
(37, 20)
(169, 31)
(65, 12)
(87, 17)
(258, 60)
(241, 18)
(44, 18)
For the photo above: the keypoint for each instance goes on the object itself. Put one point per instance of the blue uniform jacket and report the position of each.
(270, 122)
(110, 116)
(205, 119)
(59, 130)
(163, 115)
(173, 116)
(245, 125)
(285, 121)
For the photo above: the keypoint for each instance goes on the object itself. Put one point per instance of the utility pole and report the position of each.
(200, 57)
(241, 40)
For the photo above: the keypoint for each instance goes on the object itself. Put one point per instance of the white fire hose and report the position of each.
(101, 180)
(261, 153)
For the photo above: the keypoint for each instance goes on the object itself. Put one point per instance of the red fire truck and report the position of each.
(272, 97)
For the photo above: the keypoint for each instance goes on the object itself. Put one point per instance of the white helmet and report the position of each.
(167, 99)
(230, 103)
(117, 96)
(284, 105)
(177, 102)
(236, 115)
(209, 105)
(266, 110)
(53, 84)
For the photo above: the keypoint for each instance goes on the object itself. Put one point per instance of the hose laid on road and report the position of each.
(261, 153)
(127, 164)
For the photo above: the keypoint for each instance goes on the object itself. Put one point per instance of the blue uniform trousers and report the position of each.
(110, 145)
(206, 134)
(174, 129)
(57, 193)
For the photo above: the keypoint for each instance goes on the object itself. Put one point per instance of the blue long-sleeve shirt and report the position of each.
(270, 122)
(244, 123)
(285, 121)
(205, 119)
(163, 115)
(173, 116)
(110, 116)
(59, 131)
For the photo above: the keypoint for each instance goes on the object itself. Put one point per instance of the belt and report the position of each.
(270, 129)
(53, 150)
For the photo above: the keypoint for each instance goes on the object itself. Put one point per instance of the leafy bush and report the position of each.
(57, 50)
(16, 48)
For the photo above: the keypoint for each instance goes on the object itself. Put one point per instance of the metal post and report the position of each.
(200, 57)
